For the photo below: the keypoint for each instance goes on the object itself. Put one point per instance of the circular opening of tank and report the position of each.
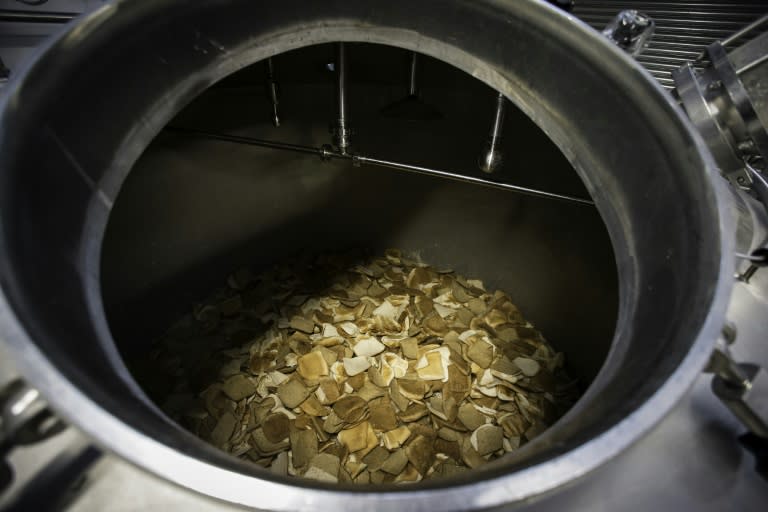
(196, 209)
(133, 66)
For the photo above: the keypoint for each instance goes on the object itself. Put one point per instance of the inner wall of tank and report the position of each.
(193, 210)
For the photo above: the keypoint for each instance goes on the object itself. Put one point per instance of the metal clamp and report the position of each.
(719, 103)
(25, 418)
(743, 388)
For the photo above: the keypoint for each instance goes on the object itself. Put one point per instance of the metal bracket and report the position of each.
(25, 418)
(743, 388)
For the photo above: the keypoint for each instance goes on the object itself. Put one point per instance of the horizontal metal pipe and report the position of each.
(746, 30)
(35, 16)
(470, 179)
(249, 141)
(326, 152)
(752, 64)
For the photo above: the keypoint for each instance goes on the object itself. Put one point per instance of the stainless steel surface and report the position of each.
(720, 106)
(683, 28)
(699, 101)
(19, 38)
(747, 130)
(491, 157)
(701, 257)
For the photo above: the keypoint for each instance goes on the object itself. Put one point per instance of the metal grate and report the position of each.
(683, 29)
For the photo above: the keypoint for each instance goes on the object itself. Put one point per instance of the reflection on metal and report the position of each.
(491, 157)
(630, 30)
(272, 90)
(340, 130)
(14, 16)
(729, 111)
(327, 153)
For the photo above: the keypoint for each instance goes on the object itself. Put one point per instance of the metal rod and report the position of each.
(469, 179)
(341, 131)
(752, 64)
(412, 87)
(491, 157)
(341, 81)
(738, 34)
(754, 258)
(250, 141)
(744, 31)
(272, 90)
(498, 121)
(36, 17)
(327, 153)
